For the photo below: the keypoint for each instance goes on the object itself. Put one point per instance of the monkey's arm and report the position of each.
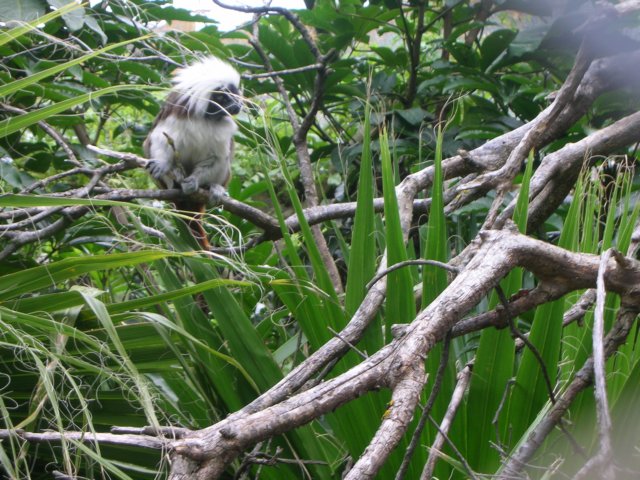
(160, 149)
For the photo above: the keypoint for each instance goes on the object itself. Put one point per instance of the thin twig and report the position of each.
(31, 221)
(142, 441)
(579, 309)
(604, 458)
(167, 432)
(278, 73)
(321, 375)
(288, 14)
(520, 303)
(406, 263)
(54, 178)
(130, 159)
(496, 418)
(52, 132)
(351, 345)
(464, 378)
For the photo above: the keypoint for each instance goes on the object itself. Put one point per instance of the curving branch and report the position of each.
(126, 439)
(211, 449)
(398, 366)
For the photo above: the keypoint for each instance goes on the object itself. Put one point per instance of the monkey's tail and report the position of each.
(195, 210)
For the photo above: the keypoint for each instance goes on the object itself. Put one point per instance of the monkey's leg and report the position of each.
(216, 193)
(213, 174)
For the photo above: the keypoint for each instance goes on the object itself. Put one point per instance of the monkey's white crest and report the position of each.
(195, 83)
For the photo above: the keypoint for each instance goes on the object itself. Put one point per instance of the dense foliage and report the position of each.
(111, 316)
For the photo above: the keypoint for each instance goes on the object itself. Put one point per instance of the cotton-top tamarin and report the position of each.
(190, 145)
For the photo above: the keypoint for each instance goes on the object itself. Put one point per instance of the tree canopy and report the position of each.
(426, 265)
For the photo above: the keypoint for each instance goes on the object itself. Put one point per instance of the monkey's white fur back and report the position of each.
(191, 142)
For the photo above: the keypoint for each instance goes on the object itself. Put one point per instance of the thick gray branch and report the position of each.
(213, 448)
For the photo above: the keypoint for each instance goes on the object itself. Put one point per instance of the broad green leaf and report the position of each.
(45, 325)
(434, 279)
(160, 320)
(26, 201)
(362, 256)
(21, 10)
(209, 373)
(50, 303)
(74, 19)
(494, 45)
(172, 295)
(400, 305)
(169, 13)
(143, 394)
(25, 10)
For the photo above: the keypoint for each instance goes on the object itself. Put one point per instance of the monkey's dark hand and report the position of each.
(158, 169)
(190, 184)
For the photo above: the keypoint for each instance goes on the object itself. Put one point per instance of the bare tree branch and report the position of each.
(580, 308)
(214, 447)
(426, 411)
(279, 73)
(131, 440)
(604, 457)
(395, 421)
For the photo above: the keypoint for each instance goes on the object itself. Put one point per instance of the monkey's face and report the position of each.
(224, 101)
